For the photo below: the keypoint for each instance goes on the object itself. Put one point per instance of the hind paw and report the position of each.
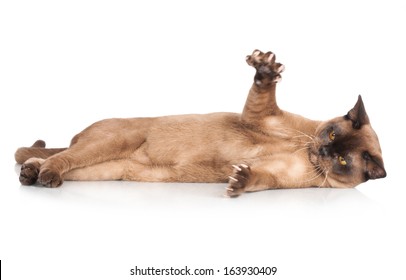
(49, 178)
(29, 173)
(268, 71)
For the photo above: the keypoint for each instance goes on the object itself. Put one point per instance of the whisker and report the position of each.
(304, 134)
(318, 174)
(297, 136)
(312, 170)
(325, 179)
(301, 149)
(306, 144)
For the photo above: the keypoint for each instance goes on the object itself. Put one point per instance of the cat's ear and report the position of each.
(375, 169)
(358, 115)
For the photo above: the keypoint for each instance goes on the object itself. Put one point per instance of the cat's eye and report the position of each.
(342, 161)
(332, 135)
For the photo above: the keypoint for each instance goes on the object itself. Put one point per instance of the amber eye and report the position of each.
(342, 161)
(332, 135)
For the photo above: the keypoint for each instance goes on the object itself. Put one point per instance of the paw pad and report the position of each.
(29, 174)
(50, 179)
(238, 181)
(268, 71)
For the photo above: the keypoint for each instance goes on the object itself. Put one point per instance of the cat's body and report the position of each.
(262, 148)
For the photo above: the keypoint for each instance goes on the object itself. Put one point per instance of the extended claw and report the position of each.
(236, 167)
(256, 52)
(281, 68)
(232, 178)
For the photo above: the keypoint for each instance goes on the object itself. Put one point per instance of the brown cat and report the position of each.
(262, 148)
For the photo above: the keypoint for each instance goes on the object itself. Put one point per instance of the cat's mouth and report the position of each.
(313, 158)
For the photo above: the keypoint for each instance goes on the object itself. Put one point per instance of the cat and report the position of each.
(262, 148)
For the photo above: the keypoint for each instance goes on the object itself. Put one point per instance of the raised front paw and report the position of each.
(268, 71)
(238, 181)
(49, 178)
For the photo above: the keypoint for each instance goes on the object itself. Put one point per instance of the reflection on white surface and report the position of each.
(121, 224)
(162, 195)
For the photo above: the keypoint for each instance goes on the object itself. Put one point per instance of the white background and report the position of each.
(66, 64)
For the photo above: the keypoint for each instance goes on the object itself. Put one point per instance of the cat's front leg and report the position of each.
(261, 101)
(245, 179)
(286, 172)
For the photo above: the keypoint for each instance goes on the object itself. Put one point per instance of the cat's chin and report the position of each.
(313, 158)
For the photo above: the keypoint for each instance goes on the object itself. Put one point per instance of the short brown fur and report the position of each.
(262, 148)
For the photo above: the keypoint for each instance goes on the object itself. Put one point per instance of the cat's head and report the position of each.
(346, 149)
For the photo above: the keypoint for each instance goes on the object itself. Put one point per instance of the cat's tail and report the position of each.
(37, 150)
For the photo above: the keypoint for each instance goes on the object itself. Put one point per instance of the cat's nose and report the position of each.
(324, 151)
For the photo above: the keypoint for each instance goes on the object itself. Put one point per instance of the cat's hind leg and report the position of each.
(122, 169)
(30, 170)
(37, 150)
(31, 159)
(104, 141)
(79, 155)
